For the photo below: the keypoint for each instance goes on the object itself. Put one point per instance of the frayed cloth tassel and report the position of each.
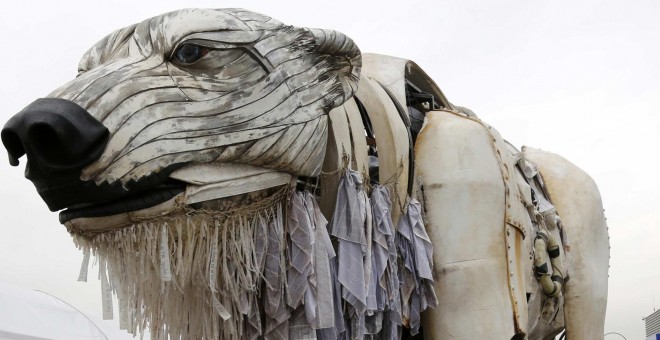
(84, 267)
(276, 311)
(364, 230)
(384, 288)
(300, 241)
(416, 250)
(348, 226)
(322, 280)
(270, 270)
(193, 275)
(367, 269)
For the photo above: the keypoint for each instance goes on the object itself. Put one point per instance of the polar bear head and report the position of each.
(184, 88)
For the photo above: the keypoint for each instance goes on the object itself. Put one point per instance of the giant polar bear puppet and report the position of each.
(239, 178)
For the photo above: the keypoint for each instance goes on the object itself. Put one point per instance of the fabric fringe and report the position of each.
(416, 251)
(270, 270)
(192, 275)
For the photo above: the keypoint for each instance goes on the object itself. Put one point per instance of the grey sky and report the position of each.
(581, 79)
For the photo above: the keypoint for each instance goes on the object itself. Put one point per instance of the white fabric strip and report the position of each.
(165, 270)
(82, 277)
(106, 293)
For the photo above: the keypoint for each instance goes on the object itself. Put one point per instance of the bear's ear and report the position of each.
(114, 45)
(344, 57)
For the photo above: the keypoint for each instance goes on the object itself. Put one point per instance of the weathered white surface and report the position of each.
(491, 279)
(578, 203)
(258, 93)
(464, 198)
(391, 138)
(338, 148)
(464, 176)
(389, 71)
(211, 191)
(207, 173)
(392, 73)
(360, 161)
(209, 181)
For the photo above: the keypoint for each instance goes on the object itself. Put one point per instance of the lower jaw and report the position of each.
(221, 188)
(172, 208)
(143, 201)
(91, 226)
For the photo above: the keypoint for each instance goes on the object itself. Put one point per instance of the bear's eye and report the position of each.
(189, 53)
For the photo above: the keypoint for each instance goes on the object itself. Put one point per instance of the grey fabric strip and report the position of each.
(357, 292)
(301, 242)
(324, 313)
(277, 314)
(416, 252)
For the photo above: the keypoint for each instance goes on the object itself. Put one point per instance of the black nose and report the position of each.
(56, 134)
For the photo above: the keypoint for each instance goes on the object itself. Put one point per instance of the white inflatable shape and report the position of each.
(35, 315)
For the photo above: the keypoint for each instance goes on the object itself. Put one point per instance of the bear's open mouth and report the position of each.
(138, 201)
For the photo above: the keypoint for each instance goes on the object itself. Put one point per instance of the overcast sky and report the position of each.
(581, 79)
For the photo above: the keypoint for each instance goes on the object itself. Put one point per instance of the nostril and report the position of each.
(14, 146)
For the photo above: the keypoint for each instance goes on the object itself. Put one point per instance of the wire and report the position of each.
(619, 334)
(83, 314)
